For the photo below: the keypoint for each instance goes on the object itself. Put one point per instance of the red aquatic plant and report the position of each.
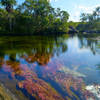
(42, 90)
(37, 87)
(66, 82)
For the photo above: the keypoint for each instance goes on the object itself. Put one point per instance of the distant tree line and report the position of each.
(31, 17)
(90, 21)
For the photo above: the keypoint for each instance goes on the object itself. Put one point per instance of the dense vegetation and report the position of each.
(31, 17)
(90, 21)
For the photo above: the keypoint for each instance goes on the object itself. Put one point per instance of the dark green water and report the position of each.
(50, 68)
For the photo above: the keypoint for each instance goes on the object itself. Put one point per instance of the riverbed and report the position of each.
(51, 68)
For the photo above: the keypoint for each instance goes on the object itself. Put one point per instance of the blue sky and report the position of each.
(75, 7)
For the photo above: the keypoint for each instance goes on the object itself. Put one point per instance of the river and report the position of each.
(51, 68)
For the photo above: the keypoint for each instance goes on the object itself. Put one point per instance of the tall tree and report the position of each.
(34, 16)
(8, 4)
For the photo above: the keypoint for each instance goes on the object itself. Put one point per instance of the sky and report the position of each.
(74, 7)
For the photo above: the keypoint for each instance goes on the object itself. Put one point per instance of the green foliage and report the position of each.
(90, 21)
(73, 24)
(8, 4)
(32, 17)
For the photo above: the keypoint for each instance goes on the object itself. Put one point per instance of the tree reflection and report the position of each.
(89, 43)
(36, 48)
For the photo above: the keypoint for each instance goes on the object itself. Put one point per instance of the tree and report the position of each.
(34, 17)
(90, 21)
(8, 4)
(95, 16)
(84, 17)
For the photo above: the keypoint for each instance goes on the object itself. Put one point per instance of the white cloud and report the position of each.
(53, 0)
(75, 16)
(87, 9)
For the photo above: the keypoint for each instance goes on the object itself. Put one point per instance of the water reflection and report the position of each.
(49, 68)
(39, 49)
(88, 43)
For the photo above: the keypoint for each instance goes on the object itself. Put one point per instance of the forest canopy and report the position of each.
(31, 17)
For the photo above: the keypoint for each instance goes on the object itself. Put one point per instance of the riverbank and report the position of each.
(96, 38)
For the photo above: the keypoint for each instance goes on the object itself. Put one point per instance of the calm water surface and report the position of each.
(49, 68)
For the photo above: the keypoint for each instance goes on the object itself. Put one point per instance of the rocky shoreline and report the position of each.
(95, 90)
(96, 38)
(5, 94)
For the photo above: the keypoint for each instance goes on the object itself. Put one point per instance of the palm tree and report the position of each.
(84, 17)
(98, 12)
(8, 4)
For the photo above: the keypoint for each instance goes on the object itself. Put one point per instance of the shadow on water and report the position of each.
(25, 93)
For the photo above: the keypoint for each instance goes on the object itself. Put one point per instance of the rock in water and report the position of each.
(95, 89)
(72, 72)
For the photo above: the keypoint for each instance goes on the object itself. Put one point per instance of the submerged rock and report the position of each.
(95, 89)
(72, 72)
